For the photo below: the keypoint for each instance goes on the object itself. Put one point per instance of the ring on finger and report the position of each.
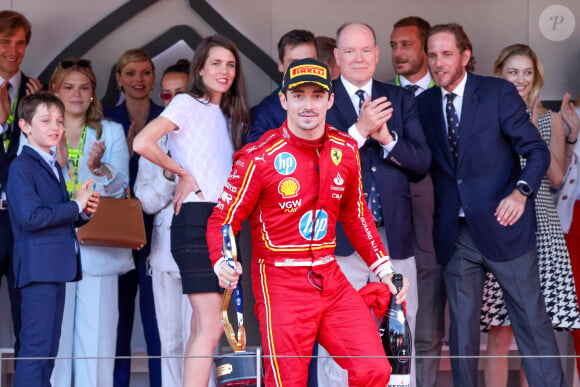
(229, 283)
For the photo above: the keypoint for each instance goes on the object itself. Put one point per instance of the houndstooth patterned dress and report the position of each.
(556, 277)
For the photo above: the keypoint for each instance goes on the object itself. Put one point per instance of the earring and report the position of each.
(92, 99)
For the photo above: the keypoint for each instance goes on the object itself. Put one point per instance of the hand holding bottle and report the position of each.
(402, 294)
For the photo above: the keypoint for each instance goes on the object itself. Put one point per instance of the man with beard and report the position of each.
(410, 64)
(477, 129)
(408, 54)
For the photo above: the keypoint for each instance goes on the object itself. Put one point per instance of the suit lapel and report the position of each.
(15, 128)
(470, 103)
(343, 105)
(378, 92)
(62, 184)
(441, 126)
(33, 154)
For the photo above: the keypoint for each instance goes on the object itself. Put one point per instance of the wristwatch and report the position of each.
(524, 189)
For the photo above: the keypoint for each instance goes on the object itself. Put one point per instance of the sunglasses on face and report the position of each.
(67, 63)
(168, 96)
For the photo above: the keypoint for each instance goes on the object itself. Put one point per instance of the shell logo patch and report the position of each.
(289, 187)
(336, 156)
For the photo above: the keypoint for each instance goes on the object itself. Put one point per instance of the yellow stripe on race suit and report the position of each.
(278, 144)
(360, 201)
(241, 192)
(338, 140)
(269, 334)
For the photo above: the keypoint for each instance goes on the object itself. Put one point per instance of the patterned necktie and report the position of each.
(361, 99)
(374, 200)
(7, 133)
(452, 125)
(412, 87)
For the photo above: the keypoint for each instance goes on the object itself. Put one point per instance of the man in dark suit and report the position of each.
(14, 37)
(409, 60)
(269, 114)
(384, 121)
(477, 128)
(43, 222)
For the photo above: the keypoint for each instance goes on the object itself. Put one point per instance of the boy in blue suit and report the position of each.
(43, 221)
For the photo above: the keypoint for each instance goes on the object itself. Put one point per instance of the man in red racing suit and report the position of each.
(294, 188)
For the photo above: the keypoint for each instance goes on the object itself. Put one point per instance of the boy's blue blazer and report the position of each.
(43, 222)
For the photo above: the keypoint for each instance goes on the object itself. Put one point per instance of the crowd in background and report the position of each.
(188, 147)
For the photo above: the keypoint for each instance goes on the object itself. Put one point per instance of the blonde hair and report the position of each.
(523, 50)
(134, 55)
(94, 113)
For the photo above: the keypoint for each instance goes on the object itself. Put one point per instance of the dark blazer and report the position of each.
(408, 161)
(494, 130)
(6, 157)
(268, 114)
(120, 114)
(43, 222)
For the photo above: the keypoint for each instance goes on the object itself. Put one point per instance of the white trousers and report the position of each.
(89, 333)
(173, 321)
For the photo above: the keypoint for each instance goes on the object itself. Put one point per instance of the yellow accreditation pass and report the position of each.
(71, 187)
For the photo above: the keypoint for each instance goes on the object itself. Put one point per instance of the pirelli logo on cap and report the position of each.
(308, 70)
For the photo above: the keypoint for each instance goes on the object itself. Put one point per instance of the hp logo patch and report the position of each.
(285, 163)
(319, 228)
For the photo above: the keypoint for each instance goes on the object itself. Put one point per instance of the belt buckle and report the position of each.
(3, 205)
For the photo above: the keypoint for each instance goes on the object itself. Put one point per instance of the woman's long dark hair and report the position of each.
(234, 102)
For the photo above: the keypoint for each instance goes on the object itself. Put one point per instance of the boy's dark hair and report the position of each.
(28, 105)
(294, 38)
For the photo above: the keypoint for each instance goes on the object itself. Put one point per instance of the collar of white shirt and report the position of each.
(352, 89)
(423, 83)
(14, 83)
(459, 89)
(50, 158)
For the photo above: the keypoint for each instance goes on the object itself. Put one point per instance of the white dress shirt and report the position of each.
(423, 83)
(353, 130)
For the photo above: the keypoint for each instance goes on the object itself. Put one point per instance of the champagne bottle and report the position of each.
(397, 340)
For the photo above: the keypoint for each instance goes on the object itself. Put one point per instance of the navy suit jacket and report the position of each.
(494, 130)
(43, 221)
(268, 114)
(408, 161)
(6, 157)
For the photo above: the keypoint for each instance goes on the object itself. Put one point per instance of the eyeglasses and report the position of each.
(67, 63)
(168, 96)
